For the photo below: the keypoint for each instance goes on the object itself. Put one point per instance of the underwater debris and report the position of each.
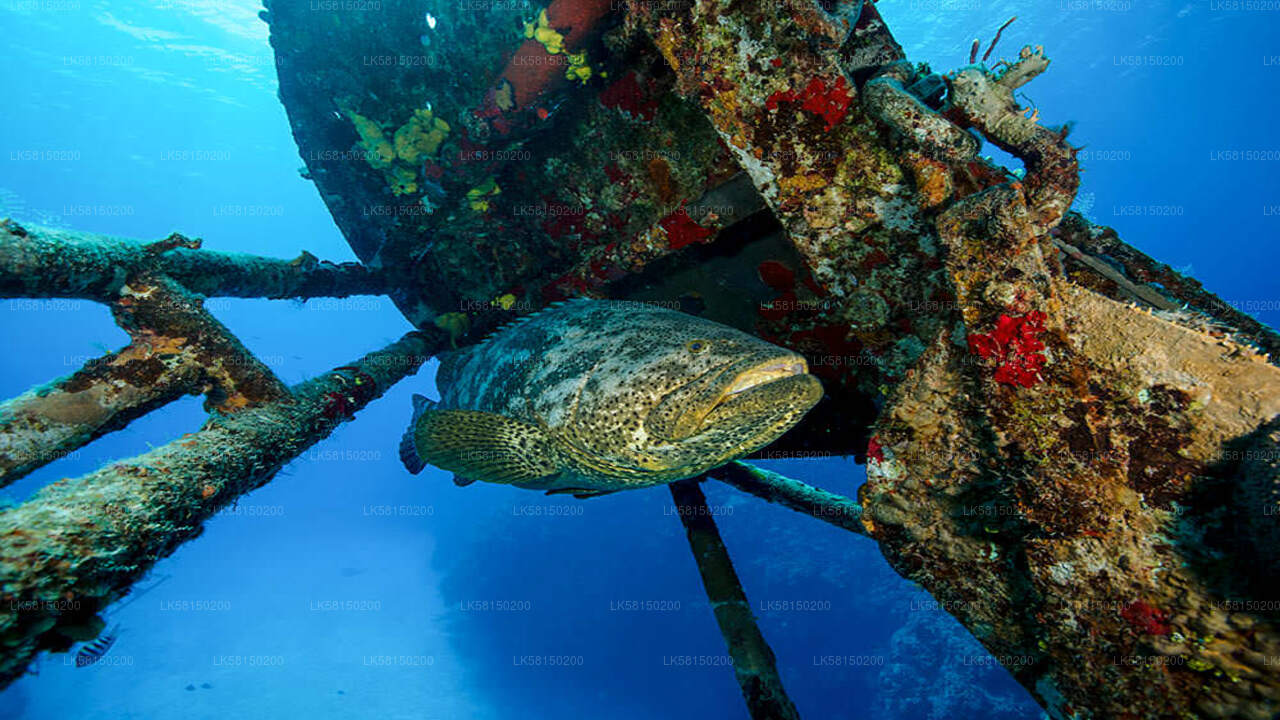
(801, 497)
(905, 242)
(754, 664)
(126, 516)
(176, 348)
(40, 262)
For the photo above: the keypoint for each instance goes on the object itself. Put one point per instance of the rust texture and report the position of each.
(1159, 286)
(771, 82)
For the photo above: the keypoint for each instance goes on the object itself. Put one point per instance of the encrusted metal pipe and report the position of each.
(178, 349)
(886, 100)
(37, 262)
(753, 660)
(79, 544)
(801, 497)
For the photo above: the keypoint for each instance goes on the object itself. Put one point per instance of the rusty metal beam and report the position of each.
(79, 544)
(38, 262)
(801, 497)
(753, 662)
(177, 349)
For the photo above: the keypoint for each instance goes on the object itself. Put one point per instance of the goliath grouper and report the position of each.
(595, 396)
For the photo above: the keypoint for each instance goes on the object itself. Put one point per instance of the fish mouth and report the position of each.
(744, 388)
(749, 387)
(761, 402)
(763, 375)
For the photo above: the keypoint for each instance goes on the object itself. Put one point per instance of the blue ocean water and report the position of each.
(348, 588)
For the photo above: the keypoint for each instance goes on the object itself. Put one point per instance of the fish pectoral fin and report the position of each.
(485, 446)
(580, 493)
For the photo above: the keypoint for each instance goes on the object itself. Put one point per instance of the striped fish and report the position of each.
(93, 651)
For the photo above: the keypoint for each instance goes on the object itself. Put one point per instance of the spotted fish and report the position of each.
(595, 396)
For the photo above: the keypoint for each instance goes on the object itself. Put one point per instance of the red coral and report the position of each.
(627, 95)
(337, 405)
(829, 103)
(776, 275)
(1015, 344)
(1146, 618)
(682, 230)
(875, 451)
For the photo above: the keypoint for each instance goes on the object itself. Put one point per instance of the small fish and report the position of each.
(595, 396)
(92, 652)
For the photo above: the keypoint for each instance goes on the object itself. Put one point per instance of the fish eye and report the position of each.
(696, 346)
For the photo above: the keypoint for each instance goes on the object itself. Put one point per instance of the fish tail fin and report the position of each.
(413, 462)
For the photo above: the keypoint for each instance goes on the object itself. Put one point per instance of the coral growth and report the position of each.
(829, 103)
(627, 95)
(1146, 618)
(542, 31)
(412, 145)
(420, 137)
(682, 230)
(478, 196)
(1016, 346)
(378, 150)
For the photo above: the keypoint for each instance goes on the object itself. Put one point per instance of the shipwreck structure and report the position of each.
(1072, 446)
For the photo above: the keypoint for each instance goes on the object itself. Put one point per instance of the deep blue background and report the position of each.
(141, 119)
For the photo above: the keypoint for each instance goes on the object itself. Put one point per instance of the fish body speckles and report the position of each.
(595, 396)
